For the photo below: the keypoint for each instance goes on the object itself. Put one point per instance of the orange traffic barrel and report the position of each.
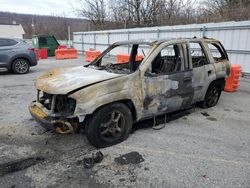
(91, 55)
(63, 53)
(233, 81)
(124, 58)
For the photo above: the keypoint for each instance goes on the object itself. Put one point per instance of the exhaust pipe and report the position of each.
(63, 127)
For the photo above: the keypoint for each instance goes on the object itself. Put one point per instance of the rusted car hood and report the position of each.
(65, 80)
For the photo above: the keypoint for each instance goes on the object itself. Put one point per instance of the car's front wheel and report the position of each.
(109, 125)
(20, 66)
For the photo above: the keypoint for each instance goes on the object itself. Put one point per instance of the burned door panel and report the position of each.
(203, 70)
(168, 82)
(168, 93)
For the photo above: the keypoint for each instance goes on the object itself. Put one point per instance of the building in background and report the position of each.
(11, 30)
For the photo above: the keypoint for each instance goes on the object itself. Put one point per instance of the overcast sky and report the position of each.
(43, 7)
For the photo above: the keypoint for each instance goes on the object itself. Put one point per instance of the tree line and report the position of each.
(44, 25)
(116, 14)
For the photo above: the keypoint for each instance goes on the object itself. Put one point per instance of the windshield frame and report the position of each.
(134, 51)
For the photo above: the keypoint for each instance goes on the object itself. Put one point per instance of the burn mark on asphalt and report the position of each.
(17, 165)
(130, 158)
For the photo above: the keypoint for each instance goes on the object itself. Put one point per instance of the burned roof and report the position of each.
(158, 41)
(142, 41)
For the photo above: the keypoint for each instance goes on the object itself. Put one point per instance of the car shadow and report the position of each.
(161, 119)
(4, 73)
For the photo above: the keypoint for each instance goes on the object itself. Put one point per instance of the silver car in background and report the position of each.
(16, 55)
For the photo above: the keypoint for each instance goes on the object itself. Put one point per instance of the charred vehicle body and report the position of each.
(107, 98)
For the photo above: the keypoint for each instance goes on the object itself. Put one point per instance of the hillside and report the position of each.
(39, 24)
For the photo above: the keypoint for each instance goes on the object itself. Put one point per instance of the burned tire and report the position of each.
(20, 66)
(109, 125)
(212, 96)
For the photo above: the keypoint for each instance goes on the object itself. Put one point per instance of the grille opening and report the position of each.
(46, 100)
(64, 105)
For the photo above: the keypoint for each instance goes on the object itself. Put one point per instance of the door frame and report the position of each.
(153, 83)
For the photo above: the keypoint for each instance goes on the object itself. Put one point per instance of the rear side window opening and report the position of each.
(197, 54)
(217, 52)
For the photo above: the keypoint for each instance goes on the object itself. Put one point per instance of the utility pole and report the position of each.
(69, 43)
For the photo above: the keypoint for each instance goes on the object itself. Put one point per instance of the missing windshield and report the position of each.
(121, 58)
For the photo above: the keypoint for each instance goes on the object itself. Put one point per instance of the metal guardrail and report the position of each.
(166, 30)
(235, 36)
(203, 29)
(103, 44)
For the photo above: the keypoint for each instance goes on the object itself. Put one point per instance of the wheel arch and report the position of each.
(127, 102)
(20, 57)
(220, 81)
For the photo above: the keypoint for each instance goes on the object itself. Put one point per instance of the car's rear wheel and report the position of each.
(20, 66)
(109, 125)
(212, 96)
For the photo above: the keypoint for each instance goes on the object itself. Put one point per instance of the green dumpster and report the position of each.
(45, 41)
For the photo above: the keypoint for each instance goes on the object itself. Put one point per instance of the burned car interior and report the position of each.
(167, 61)
(107, 60)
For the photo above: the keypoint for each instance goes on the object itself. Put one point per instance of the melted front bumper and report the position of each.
(56, 122)
(41, 116)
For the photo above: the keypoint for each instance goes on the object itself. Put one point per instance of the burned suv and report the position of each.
(109, 95)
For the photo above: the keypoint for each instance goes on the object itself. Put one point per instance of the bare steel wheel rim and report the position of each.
(213, 96)
(112, 126)
(21, 66)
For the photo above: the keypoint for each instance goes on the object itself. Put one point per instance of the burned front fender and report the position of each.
(123, 88)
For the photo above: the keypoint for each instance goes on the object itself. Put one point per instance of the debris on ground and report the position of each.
(211, 119)
(19, 164)
(205, 176)
(89, 162)
(205, 114)
(130, 158)
(208, 116)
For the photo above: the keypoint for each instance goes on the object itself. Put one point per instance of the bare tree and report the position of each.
(150, 12)
(227, 10)
(105, 14)
(94, 10)
(119, 13)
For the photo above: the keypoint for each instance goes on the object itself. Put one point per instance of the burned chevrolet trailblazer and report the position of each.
(107, 98)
